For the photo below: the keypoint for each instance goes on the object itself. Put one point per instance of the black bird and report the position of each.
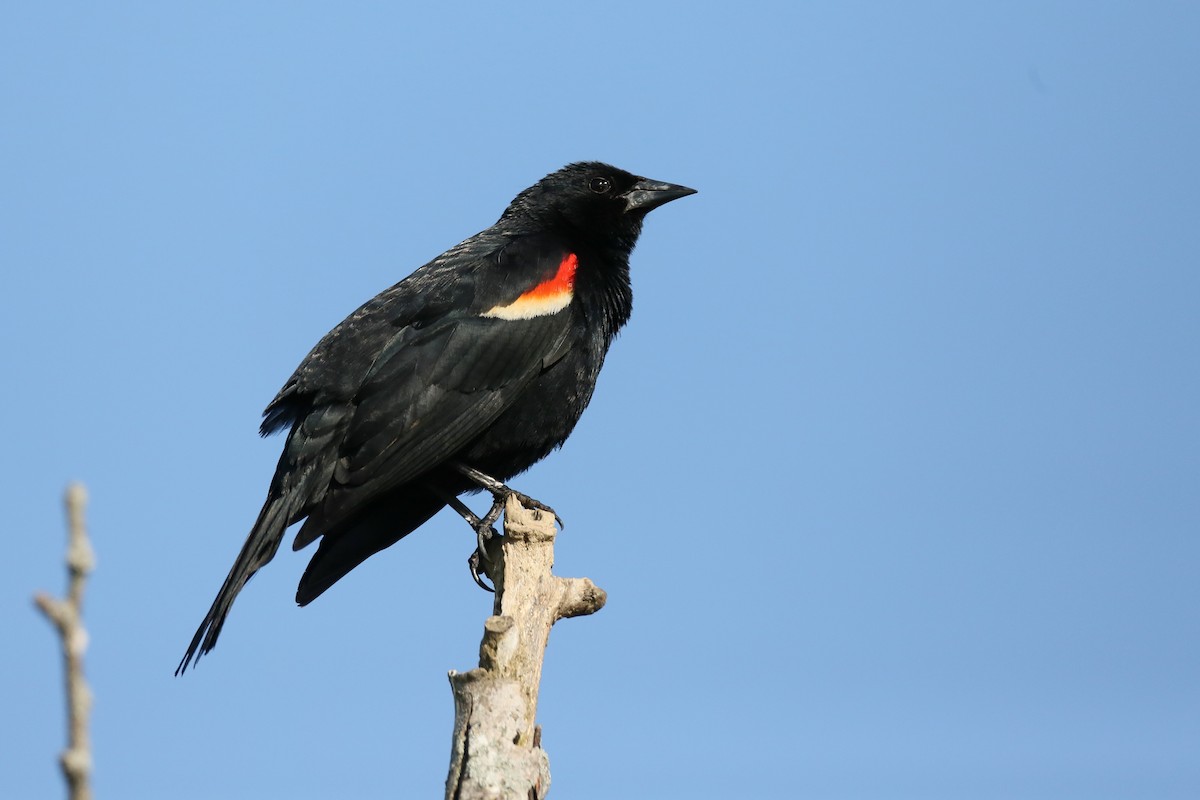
(462, 375)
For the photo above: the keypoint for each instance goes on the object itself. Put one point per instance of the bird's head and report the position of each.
(593, 198)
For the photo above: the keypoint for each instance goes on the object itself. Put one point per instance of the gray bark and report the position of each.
(496, 752)
(67, 617)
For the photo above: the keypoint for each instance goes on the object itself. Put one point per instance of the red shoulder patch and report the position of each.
(548, 297)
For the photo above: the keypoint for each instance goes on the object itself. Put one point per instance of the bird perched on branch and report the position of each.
(460, 376)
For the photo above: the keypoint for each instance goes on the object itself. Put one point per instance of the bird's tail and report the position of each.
(346, 544)
(260, 547)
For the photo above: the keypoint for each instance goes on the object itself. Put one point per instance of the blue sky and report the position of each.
(892, 479)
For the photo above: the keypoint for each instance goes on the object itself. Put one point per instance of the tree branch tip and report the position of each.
(76, 495)
(57, 611)
(528, 524)
(581, 597)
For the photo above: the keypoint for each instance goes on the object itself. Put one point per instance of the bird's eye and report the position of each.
(600, 185)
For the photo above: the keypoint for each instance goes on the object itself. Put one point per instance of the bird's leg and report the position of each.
(483, 531)
(501, 492)
(483, 525)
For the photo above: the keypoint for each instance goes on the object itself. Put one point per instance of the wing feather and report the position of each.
(428, 400)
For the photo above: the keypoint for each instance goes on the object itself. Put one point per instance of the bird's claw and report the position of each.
(538, 505)
(474, 562)
(483, 533)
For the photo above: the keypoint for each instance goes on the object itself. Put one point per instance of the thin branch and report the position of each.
(496, 752)
(67, 617)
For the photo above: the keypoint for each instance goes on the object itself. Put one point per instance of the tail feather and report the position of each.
(260, 547)
(304, 470)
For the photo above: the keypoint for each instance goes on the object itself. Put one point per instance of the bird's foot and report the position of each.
(479, 561)
(500, 492)
(529, 502)
(484, 531)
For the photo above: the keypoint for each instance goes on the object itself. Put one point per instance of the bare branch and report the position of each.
(496, 752)
(67, 617)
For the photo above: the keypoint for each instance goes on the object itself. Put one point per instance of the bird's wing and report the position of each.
(438, 383)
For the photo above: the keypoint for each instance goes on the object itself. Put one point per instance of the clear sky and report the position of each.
(893, 479)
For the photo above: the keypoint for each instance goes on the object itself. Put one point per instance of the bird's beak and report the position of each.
(647, 194)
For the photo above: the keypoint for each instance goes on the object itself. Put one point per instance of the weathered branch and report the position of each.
(67, 617)
(496, 752)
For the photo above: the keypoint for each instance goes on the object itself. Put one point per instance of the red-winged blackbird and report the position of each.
(460, 376)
